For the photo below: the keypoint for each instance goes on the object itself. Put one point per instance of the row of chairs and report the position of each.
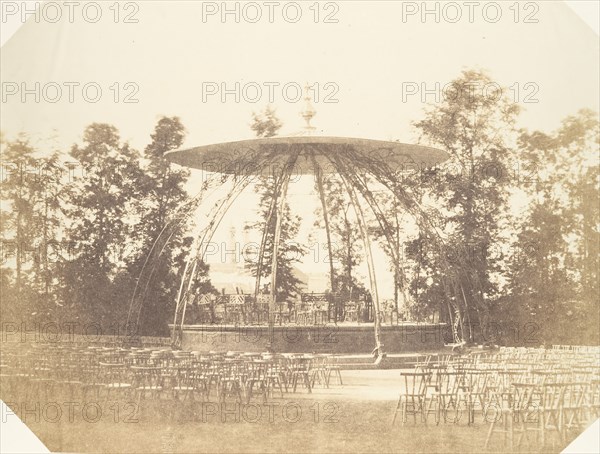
(517, 391)
(103, 373)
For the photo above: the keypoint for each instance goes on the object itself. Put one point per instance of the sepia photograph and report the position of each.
(300, 227)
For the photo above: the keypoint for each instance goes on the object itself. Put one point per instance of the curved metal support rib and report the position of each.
(382, 172)
(319, 178)
(276, 237)
(219, 212)
(160, 243)
(265, 233)
(188, 278)
(386, 228)
(369, 256)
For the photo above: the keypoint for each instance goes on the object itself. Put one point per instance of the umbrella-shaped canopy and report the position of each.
(244, 156)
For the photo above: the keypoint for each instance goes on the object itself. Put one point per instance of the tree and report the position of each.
(31, 219)
(265, 123)
(474, 127)
(555, 267)
(48, 221)
(19, 194)
(163, 193)
(347, 253)
(288, 286)
(102, 209)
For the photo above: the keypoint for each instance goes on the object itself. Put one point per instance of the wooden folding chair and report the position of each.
(412, 395)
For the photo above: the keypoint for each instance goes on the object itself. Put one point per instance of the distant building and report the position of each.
(317, 282)
(233, 278)
(228, 272)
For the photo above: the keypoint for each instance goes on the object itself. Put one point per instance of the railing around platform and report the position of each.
(310, 308)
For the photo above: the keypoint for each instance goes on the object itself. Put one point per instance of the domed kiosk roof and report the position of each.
(246, 155)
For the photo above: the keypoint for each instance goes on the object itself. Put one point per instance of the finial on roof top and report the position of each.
(309, 111)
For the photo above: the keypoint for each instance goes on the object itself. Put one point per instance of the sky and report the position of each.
(369, 66)
(370, 58)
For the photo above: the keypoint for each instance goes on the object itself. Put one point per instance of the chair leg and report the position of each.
(285, 381)
(238, 390)
(489, 435)
(307, 381)
(396, 411)
(249, 391)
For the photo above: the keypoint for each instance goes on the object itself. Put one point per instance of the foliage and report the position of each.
(265, 123)
(30, 220)
(469, 190)
(102, 208)
(554, 270)
(85, 229)
(162, 194)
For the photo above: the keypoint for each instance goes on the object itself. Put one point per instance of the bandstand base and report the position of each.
(345, 338)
